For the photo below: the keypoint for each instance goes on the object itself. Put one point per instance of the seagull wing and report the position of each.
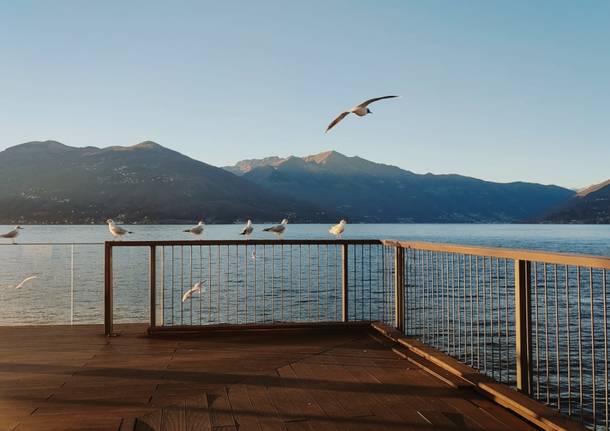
(374, 99)
(336, 120)
(20, 285)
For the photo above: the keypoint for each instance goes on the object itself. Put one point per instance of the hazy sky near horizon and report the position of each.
(504, 91)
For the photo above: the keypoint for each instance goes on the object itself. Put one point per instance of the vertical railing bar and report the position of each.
(228, 286)
(453, 304)
(370, 285)
(567, 277)
(201, 281)
(291, 289)
(344, 283)
(71, 284)
(282, 284)
(264, 283)
(579, 343)
(236, 283)
(605, 310)
(459, 311)
(173, 285)
(309, 283)
(318, 276)
(499, 320)
(108, 299)
(273, 283)
(557, 340)
(523, 331)
(246, 283)
(255, 258)
(191, 281)
(593, 382)
(152, 276)
(546, 335)
(181, 284)
(162, 307)
(507, 334)
(210, 284)
(218, 278)
(300, 279)
(536, 330)
(471, 311)
(483, 276)
(476, 265)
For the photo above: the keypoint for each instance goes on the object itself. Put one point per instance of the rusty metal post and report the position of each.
(523, 325)
(152, 276)
(399, 289)
(108, 304)
(344, 284)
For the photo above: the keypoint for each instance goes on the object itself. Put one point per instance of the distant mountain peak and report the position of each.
(148, 145)
(39, 145)
(592, 189)
(324, 157)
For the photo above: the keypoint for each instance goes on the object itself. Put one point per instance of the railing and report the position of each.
(536, 321)
(57, 283)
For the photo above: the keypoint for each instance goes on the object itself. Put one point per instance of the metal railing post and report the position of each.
(344, 284)
(399, 289)
(152, 276)
(108, 308)
(523, 325)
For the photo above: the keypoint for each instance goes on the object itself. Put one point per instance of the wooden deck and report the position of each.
(74, 378)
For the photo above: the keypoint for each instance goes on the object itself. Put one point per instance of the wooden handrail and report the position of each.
(601, 262)
(206, 242)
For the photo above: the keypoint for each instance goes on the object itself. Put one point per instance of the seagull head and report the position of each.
(109, 221)
(285, 221)
(342, 222)
(18, 227)
(200, 223)
(368, 111)
(249, 223)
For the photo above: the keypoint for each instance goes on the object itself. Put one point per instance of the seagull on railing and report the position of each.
(196, 230)
(116, 231)
(195, 289)
(12, 234)
(248, 229)
(338, 229)
(278, 229)
(360, 110)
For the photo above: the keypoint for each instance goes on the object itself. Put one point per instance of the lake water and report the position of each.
(68, 287)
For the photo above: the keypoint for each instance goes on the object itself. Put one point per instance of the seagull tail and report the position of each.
(267, 229)
(129, 231)
(186, 230)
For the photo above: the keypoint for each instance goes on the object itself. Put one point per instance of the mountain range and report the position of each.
(48, 182)
(364, 191)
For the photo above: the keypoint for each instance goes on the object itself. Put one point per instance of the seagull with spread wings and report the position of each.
(360, 110)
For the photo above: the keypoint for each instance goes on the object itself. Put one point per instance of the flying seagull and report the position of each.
(12, 234)
(338, 229)
(278, 229)
(247, 231)
(196, 230)
(360, 110)
(20, 285)
(195, 289)
(116, 231)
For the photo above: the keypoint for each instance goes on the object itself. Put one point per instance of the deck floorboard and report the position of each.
(74, 378)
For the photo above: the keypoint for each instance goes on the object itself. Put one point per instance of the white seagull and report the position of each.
(360, 110)
(338, 229)
(195, 289)
(247, 231)
(12, 234)
(20, 285)
(116, 231)
(278, 229)
(197, 230)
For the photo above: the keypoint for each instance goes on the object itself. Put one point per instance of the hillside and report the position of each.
(48, 182)
(591, 205)
(366, 191)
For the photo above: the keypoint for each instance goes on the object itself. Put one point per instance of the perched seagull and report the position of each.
(197, 230)
(20, 285)
(116, 231)
(360, 110)
(278, 229)
(338, 229)
(247, 229)
(12, 234)
(195, 289)
(254, 254)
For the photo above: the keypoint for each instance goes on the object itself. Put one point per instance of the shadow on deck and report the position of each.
(344, 378)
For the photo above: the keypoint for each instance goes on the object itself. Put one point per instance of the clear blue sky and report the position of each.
(514, 90)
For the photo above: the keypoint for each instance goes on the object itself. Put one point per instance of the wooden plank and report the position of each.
(242, 408)
(268, 416)
(220, 409)
(197, 416)
(173, 418)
